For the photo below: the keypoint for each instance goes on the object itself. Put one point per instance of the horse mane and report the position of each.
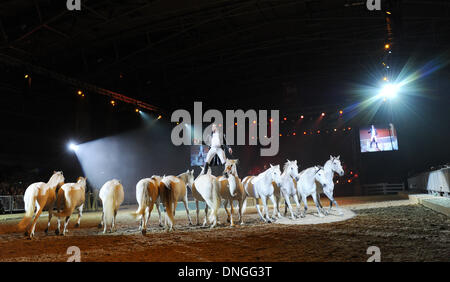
(261, 175)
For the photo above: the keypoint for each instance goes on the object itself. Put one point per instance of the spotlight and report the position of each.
(387, 46)
(113, 103)
(341, 112)
(302, 117)
(389, 91)
(80, 92)
(27, 76)
(72, 146)
(323, 114)
(160, 117)
(137, 110)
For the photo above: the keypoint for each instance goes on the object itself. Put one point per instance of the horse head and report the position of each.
(291, 168)
(336, 165)
(275, 174)
(57, 179)
(319, 176)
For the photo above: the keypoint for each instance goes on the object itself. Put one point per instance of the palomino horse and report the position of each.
(112, 196)
(42, 196)
(232, 189)
(206, 189)
(71, 196)
(147, 195)
(173, 189)
(306, 186)
(333, 165)
(260, 187)
(288, 187)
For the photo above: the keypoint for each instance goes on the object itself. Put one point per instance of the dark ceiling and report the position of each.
(158, 50)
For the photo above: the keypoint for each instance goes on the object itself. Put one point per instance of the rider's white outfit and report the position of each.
(216, 148)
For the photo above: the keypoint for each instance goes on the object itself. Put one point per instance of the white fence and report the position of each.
(383, 188)
(10, 204)
(435, 182)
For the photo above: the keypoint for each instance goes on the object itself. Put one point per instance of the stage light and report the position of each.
(137, 110)
(387, 46)
(385, 78)
(80, 92)
(113, 103)
(271, 120)
(294, 134)
(72, 146)
(341, 112)
(281, 134)
(387, 12)
(318, 131)
(323, 114)
(389, 91)
(27, 76)
(160, 117)
(335, 130)
(302, 117)
(284, 118)
(304, 133)
(254, 122)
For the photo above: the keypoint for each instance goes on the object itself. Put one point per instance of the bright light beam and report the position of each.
(72, 146)
(389, 91)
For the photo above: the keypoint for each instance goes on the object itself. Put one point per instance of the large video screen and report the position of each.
(198, 155)
(378, 138)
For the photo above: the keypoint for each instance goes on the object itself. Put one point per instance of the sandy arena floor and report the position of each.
(402, 231)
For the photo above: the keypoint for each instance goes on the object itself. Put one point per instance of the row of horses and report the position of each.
(169, 190)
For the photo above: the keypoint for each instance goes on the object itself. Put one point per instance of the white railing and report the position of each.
(9, 204)
(383, 188)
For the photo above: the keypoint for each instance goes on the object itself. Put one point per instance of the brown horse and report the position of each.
(173, 189)
(71, 196)
(147, 195)
(232, 189)
(41, 196)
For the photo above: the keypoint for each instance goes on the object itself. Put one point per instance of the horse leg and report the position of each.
(314, 196)
(197, 209)
(113, 227)
(104, 223)
(206, 215)
(187, 210)
(225, 204)
(305, 203)
(266, 209)
(58, 228)
(297, 202)
(65, 225)
(50, 214)
(276, 213)
(100, 225)
(320, 204)
(258, 210)
(40, 207)
(80, 214)
(241, 219)
(159, 212)
(288, 201)
(231, 214)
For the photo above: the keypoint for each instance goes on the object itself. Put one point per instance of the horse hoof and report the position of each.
(57, 232)
(77, 225)
(99, 225)
(46, 231)
(160, 225)
(26, 233)
(228, 220)
(144, 231)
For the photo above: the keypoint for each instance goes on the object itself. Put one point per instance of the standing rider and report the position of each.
(216, 151)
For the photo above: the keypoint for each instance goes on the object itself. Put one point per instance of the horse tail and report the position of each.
(68, 206)
(144, 199)
(216, 201)
(166, 197)
(110, 204)
(29, 199)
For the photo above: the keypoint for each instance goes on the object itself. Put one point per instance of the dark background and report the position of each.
(299, 57)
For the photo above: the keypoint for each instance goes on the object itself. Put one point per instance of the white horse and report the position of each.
(147, 196)
(41, 196)
(206, 189)
(306, 186)
(288, 187)
(333, 165)
(112, 197)
(71, 196)
(260, 187)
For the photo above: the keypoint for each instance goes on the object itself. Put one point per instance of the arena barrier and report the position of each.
(383, 188)
(10, 204)
(435, 182)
